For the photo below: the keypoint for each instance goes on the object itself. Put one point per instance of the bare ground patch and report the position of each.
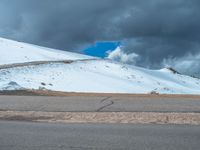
(64, 94)
(103, 117)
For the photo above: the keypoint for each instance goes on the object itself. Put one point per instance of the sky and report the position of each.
(158, 33)
(101, 49)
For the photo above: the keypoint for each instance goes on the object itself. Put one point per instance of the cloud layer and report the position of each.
(158, 31)
(120, 56)
(189, 64)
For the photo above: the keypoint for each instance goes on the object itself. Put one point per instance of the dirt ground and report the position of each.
(57, 93)
(103, 117)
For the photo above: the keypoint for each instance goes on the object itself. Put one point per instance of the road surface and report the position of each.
(22, 135)
(49, 136)
(100, 104)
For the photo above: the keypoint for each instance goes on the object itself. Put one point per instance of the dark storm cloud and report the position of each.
(156, 30)
(65, 24)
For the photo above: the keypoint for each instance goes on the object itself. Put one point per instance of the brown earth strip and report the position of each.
(64, 94)
(36, 63)
(103, 117)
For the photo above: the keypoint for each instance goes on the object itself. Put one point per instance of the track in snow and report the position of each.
(35, 63)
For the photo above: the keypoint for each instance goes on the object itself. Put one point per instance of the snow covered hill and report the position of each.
(84, 74)
(16, 52)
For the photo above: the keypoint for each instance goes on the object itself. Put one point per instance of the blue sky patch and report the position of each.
(99, 49)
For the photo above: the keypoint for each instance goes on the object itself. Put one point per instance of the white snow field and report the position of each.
(99, 76)
(16, 52)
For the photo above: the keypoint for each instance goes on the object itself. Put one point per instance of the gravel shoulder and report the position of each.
(103, 117)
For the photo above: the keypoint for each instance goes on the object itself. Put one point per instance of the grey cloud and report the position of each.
(188, 64)
(65, 24)
(156, 30)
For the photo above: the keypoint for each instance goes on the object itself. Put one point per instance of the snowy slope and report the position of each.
(83, 74)
(17, 52)
(97, 76)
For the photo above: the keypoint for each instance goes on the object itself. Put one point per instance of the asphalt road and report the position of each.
(49, 136)
(100, 103)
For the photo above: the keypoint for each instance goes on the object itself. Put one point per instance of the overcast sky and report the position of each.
(159, 32)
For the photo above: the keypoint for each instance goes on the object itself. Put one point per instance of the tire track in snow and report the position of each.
(35, 63)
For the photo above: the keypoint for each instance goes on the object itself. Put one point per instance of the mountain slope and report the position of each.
(84, 74)
(16, 52)
(97, 76)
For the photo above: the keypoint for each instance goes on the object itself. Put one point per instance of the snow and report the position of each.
(102, 76)
(90, 75)
(17, 52)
